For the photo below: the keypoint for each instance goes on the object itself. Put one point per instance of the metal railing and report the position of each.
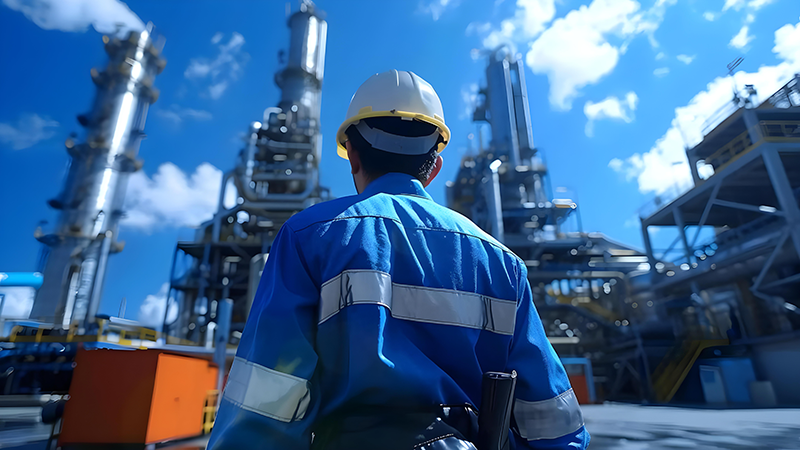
(664, 198)
(767, 131)
(719, 116)
(780, 129)
(210, 410)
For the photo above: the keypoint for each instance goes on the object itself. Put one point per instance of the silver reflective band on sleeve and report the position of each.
(548, 419)
(417, 303)
(267, 392)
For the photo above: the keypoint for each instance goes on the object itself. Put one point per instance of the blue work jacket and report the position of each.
(387, 298)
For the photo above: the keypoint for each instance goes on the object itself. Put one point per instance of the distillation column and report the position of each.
(276, 175)
(93, 194)
(502, 188)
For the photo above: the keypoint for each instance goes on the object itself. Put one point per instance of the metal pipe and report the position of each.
(23, 279)
(97, 289)
(496, 203)
(222, 332)
(783, 190)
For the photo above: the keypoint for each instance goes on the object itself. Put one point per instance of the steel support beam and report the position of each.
(770, 260)
(783, 190)
(745, 207)
(648, 246)
(707, 210)
(222, 332)
(676, 213)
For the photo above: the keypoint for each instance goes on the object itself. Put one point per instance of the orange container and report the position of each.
(580, 388)
(136, 397)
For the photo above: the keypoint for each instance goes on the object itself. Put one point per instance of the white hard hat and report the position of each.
(395, 94)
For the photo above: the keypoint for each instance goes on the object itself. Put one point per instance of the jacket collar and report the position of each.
(396, 184)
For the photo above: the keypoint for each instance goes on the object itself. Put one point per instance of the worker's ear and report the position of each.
(352, 156)
(437, 166)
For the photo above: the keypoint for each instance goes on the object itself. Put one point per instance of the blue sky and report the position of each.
(615, 88)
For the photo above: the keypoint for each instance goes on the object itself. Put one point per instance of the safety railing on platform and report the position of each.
(210, 410)
(719, 116)
(675, 366)
(106, 332)
(780, 129)
(768, 131)
(728, 152)
(665, 197)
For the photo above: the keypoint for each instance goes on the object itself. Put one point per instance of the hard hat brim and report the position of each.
(436, 121)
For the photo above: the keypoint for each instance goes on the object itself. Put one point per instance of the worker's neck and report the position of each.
(361, 181)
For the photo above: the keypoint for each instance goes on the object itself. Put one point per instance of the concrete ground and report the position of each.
(636, 427)
(612, 426)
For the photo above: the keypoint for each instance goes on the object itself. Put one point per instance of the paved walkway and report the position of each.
(635, 427)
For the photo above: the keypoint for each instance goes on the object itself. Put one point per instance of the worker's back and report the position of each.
(416, 302)
(374, 310)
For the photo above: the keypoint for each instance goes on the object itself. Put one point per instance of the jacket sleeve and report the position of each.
(270, 400)
(546, 412)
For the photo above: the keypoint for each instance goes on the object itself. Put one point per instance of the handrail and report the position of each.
(768, 131)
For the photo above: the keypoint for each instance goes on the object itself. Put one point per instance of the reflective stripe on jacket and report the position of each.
(387, 298)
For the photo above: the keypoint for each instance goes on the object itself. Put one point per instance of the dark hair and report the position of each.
(377, 163)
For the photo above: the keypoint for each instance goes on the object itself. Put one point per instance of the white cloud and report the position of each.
(105, 16)
(741, 39)
(217, 37)
(151, 313)
(787, 43)
(616, 164)
(661, 72)
(29, 130)
(576, 50)
(469, 97)
(660, 56)
(610, 108)
(18, 303)
(171, 198)
(530, 19)
(436, 8)
(477, 28)
(709, 16)
(223, 69)
(665, 165)
(757, 4)
(686, 59)
(632, 222)
(178, 114)
(216, 90)
(735, 4)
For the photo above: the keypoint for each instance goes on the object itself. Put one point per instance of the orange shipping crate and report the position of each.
(136, 397)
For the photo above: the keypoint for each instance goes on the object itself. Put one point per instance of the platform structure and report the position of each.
(276, 175)
(732, 273)
(579, 280)
(737, 231)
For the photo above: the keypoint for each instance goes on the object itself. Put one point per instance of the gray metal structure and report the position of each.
(736, 251)
(579, 280)
(94, 190)
(276, 176)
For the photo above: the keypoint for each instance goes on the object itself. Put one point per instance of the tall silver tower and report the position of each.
(276, 175)
(94, 190)
(503, 188)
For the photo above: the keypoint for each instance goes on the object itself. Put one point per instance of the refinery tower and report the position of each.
(276, 175)
(91, 201)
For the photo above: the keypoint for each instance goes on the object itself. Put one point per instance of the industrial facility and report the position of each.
(712, 320)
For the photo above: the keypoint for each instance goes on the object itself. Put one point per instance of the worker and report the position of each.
(375, 309)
